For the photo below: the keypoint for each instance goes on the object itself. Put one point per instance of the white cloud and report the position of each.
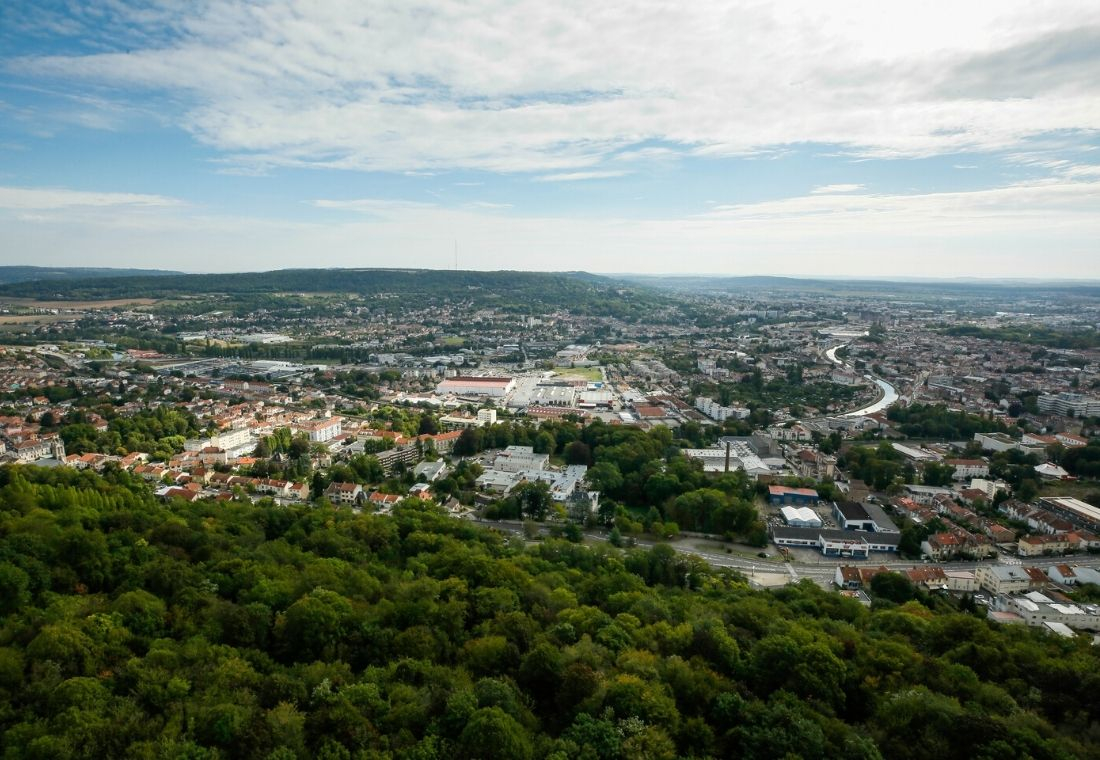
(489, 205)
(579, 176)
(372, 205)
(46, 198)
(522, 85)
(842, 188)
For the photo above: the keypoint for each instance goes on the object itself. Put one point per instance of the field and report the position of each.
(591, 374)
(31, 303)
(33, 319)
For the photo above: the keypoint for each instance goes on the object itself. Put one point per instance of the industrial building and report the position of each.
(1076, 511)
(463, 385)
(800, 517)
(796, 496)
(836, 543)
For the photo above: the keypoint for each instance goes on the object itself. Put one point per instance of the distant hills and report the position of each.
(912, 286)
(521, 292)
(534, 288)
(53, 274)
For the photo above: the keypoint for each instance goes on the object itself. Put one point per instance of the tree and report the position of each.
(533, 499)
(492, 734)
(578, 452)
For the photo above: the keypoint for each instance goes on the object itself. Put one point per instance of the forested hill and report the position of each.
(231, 630)
(946, 287)
(55, 274)
(544, 288)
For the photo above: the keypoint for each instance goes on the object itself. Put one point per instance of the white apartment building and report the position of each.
(1069, 404)
(321, 431)
(716, 411)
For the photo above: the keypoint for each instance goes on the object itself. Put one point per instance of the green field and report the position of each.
(591, 374)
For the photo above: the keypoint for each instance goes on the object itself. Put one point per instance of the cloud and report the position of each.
(527, 86)
(46, 198)
(578, 176)
(975, 233)
(372, 205)
(489, 205)
(836, 189)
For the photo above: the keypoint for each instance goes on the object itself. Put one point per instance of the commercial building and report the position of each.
(800, 517)
(796, 496)
(836, 543)
(1038, 609)
(464, 385)
(850, 515)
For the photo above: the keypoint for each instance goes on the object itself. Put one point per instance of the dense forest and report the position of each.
(203, 630)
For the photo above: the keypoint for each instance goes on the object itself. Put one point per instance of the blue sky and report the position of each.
(796, 138)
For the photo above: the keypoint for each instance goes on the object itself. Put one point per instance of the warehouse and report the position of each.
(800, 517)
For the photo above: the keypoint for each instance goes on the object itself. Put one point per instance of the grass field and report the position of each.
(591, 374)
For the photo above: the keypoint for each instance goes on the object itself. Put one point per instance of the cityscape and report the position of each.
(513, 381)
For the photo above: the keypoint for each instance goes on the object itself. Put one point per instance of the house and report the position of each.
(941, 546)
(1071, 576)
(420, 491)
(344, 493)
(931, 578)
(383, 502)
(1043, 544)
(850, 577)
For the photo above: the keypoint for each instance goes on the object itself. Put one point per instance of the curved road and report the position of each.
(889, 392)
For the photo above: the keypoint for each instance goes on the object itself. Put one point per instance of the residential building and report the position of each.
(1002, 579)
(344, 493)
(965, 469)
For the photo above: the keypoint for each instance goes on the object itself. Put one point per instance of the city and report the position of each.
(468, 380)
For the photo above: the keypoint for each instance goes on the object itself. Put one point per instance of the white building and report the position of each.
(716, 411)
(801, 517)
(519, 459)
(1069, 404)
(321, 431)
(1038, 609)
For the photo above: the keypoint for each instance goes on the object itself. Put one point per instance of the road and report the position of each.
(820, 573)
(889, 393)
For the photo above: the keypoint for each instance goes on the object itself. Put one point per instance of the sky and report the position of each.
(806, 138)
